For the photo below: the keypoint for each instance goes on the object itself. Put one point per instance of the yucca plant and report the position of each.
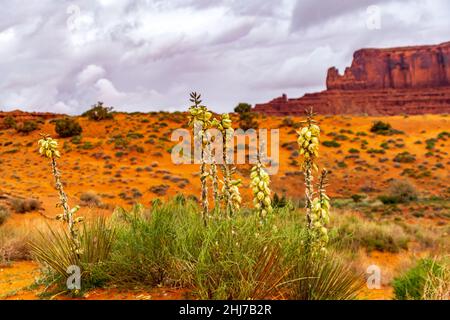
(260, 182)
(317, 209)
(48, 148)
(54, 250)
(324, 277)
(230, 190)
(200, 120)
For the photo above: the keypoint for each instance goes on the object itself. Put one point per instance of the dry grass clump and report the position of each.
(354, 232)
(90, 199)
(437, 286)
(4, 214)
(25, 205)
(14, 243)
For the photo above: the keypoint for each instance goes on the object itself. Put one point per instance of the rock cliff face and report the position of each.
(408, 80)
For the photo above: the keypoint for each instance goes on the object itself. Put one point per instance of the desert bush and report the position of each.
(159, 190)
(355, 233)
(246, 116)
(399, 191)
(427, 279)
(9, 122)
(27, 127)
(67, 127)
(14, 243)
(331, 144)
(404, 157)
(98, 112)
(358, 197)
(25, 205)
(278, 202)
(383, 128)
(4, 214)
(90, 198)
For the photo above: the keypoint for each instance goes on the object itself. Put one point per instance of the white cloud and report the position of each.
(90, 74)
(148, 55)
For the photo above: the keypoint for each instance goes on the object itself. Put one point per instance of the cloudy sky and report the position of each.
(144, 55)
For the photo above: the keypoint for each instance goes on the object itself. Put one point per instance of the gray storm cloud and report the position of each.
(63, 56)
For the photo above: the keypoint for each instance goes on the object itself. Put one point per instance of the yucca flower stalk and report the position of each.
(260, 182)
(235, 195)
(48, 148)
(320, 215)
(230, 190)
(308, 141)
(215, 180)
(215, 184)
(200, 119)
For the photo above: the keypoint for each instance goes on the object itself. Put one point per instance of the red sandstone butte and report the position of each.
(406, 80)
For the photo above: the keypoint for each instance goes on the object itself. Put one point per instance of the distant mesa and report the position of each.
(405, 80)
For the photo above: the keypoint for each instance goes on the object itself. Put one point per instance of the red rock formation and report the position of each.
(22, 115)
(408, 80)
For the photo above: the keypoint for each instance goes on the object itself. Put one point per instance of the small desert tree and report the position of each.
(246, 116)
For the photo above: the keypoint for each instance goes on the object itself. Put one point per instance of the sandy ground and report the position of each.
(123, 179)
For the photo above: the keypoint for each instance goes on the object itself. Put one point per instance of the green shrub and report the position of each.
(376, 151)
(412, 284)
(353, 151)
(98, 112)
(27, 127)
(76, 140)
(169, 245)
(331, 144)
(383, 128)
(342, 164)
(400, 191)
(67, 127)
(278, 202)
(246, 116)
(9, 122)
(358, 197)
(404, 157)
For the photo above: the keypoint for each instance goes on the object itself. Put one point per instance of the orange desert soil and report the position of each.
(122, 175)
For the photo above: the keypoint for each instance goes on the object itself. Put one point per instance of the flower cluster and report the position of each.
(48, 147)
(260, 182)
(308, 141)
(235, 195)
(224, 123)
